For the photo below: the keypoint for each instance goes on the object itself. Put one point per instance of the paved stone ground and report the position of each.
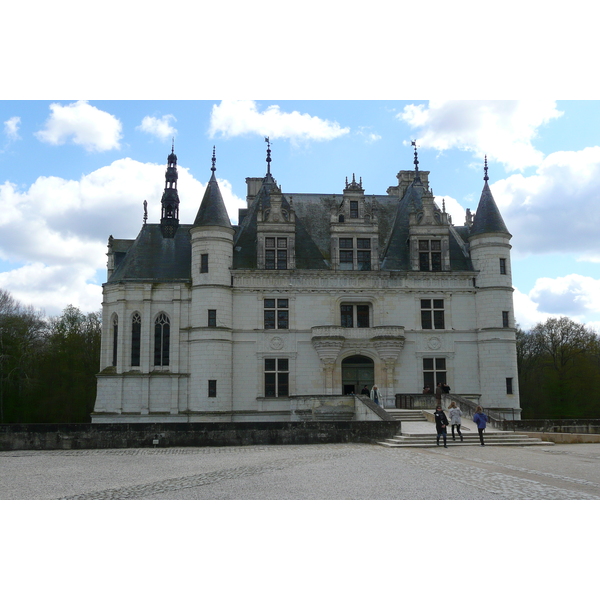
(317, 472)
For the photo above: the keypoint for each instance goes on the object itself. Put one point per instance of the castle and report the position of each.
(308, 299)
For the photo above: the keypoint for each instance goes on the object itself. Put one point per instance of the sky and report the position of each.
(73, 172)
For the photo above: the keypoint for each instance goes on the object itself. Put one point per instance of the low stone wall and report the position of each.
(574, 426)
(147, 435)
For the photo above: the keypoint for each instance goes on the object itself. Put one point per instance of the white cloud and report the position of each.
(504, 130)
(84, 125)
(161, 128)
(555, 210)
(574, 296)
(232, 118)
(11, 128)
(57, 230)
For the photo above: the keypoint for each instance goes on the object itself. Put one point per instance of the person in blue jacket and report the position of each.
(481, 419)
(441, 424)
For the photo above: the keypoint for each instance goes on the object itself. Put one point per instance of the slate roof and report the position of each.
(152, 257)
(487, 218)
(212, 209)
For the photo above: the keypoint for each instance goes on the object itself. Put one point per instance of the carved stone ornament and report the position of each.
(434, 343)
(276, 343)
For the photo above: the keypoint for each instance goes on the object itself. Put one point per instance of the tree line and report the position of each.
(559, 370)
(48, 366)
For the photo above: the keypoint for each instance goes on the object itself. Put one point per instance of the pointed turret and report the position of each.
(487, 218)
(169, 219)
(212, 209)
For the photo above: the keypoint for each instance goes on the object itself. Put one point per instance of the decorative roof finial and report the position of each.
(485, 169)
(145, 211)
(416, 161)
(172, 145)
(214, 160)
(268, 156)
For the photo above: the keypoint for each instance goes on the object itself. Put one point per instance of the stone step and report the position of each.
(495, 438)
(402, 414)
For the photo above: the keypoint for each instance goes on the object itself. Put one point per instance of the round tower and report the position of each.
(489, 241)
(211, 316)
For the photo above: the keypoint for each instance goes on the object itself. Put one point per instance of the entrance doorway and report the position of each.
(357, 371)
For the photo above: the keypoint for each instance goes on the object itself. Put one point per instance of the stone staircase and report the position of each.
(402, 414)
(491, 438)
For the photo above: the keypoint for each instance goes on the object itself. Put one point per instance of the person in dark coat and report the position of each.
(365, 390)
(441, 424)
(481, 419)
(438, 392)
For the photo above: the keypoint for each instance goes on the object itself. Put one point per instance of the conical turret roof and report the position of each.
(487, 218)
(212, 210)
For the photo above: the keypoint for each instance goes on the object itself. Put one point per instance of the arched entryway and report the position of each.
(357, 371)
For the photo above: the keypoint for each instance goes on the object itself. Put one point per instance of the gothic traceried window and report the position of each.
(162, 335)
(115, 328)
(136, 339)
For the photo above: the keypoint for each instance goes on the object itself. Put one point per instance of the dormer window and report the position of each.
(276, 253)
(430, 255)
(354, 209)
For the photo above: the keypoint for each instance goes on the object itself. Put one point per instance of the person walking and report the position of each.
(455, 419)
(441, 425)
(438, 393)
(481, 419)
(375, 396)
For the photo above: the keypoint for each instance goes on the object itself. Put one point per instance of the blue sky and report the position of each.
(73, 172)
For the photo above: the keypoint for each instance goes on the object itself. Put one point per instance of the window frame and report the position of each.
(433, 317)
(279, 313)
(353, 315)
(162, 340)
(276, 377)
(136, 339)
(437, 373)
(430, 257)
(204, 263)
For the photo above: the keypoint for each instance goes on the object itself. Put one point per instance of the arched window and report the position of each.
(115, 327)
(162, 334)
(136, 338)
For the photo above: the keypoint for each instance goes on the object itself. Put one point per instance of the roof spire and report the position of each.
(214, 161)
(268, 156)
(416, 161)
(169, 220)
(485, 169)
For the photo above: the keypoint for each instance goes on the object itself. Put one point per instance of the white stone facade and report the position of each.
(255, 344)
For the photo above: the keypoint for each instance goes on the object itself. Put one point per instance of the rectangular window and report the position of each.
(505, 318)
(432, 314)
(363, 254)
(276, 254)
(430, 255)
(212, 317)
(354, 315)
(354, 209)
(276, 313)
(434, 372)
(509, 385)
(503, 266)
(346, 243)
(212, 388)
(276, 377)
(204, 263)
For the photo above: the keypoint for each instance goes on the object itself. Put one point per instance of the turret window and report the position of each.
(204, 263)
(502, 266)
